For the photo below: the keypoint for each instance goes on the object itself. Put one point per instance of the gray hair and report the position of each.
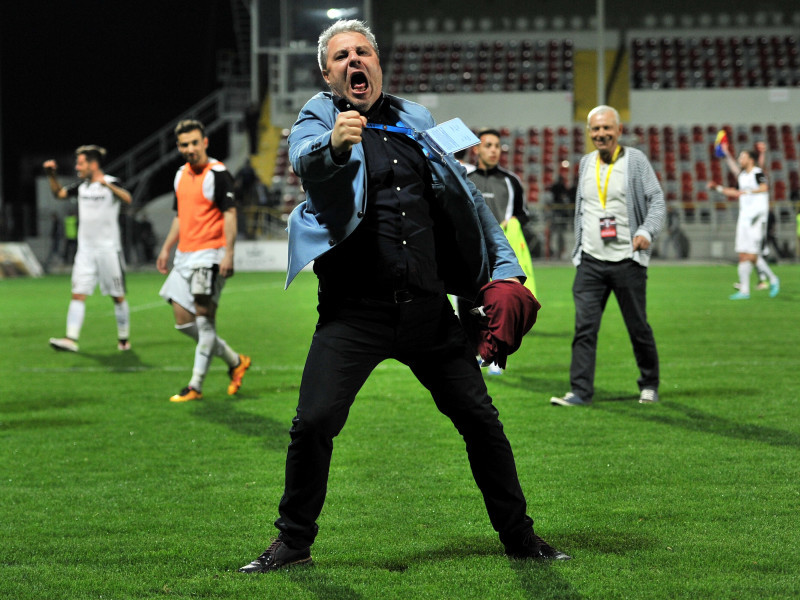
(603, 108)
(342, 26)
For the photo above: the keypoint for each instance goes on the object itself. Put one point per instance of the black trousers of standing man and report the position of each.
(352, 337)
(594, 281)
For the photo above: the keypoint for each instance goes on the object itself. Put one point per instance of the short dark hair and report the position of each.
(187, 125)
(92, 153)
(488, 131)
(752, 153)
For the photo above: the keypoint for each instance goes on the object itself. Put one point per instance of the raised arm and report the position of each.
(50, 168)
(320, 142)
(762, 154)
(732, 164)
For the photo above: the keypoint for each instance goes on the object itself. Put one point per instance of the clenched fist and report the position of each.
(347, 131)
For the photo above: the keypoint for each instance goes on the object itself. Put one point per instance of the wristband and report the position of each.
(719, 188)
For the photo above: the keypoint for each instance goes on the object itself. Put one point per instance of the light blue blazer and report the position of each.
(471, 248)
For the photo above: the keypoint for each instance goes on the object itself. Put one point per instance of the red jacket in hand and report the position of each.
(509, 310)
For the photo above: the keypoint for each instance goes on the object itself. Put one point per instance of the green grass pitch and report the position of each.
(107, 490)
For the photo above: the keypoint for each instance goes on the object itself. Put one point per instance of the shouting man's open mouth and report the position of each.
(358, 83)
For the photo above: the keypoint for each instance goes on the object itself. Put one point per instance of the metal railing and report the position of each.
(220, 108)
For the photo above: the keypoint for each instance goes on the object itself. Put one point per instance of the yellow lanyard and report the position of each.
(603, 192)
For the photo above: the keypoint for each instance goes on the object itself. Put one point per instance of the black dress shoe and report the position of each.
(278, 556)
(535, 547)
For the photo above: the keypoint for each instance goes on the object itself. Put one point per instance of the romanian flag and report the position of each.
(722, 139)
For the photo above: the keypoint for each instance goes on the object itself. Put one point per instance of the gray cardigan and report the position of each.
(647, 210)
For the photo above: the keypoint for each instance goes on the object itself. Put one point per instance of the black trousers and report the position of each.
(594, 282)
(351, 339)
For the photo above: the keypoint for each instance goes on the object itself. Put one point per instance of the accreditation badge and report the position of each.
(608, 228)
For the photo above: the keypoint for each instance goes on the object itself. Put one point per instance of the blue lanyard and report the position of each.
(397, 129)
(393, 128)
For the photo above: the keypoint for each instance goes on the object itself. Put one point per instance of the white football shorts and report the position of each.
(106, 267)
(750, 232)
(194, 274)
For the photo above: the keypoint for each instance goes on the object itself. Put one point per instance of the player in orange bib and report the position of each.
(204, 230)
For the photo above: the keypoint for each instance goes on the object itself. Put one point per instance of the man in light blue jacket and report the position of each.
(392, 227)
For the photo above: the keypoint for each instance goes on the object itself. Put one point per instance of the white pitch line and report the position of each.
(148, 306)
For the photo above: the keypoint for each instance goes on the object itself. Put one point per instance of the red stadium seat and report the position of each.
(780, 190)
(700, 171)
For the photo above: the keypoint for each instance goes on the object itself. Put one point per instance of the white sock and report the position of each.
(745, 268)
(75, 315)
(189, 329)
(226, 353)
(123, 314)
(763, 269)
(206, 340)
(221, 348)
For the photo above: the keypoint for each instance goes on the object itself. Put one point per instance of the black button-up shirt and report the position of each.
(392, 249)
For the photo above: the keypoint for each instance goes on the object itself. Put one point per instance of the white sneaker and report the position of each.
(648, 396)
(495, 370)
(64, 344)
(568, 399)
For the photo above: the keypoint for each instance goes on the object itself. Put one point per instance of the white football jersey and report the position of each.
(753, 204)
(98, 215)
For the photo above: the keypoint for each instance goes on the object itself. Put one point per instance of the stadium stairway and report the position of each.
(269, 140)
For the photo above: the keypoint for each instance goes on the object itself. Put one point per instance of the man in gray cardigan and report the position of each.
(619, 210)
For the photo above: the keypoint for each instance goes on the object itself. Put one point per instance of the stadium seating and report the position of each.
(715, 62)
(478, 66)
(683, 158)
(684, 161)
(669, 62)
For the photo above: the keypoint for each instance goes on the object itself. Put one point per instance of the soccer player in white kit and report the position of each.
(99, 259)
(751, 227)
